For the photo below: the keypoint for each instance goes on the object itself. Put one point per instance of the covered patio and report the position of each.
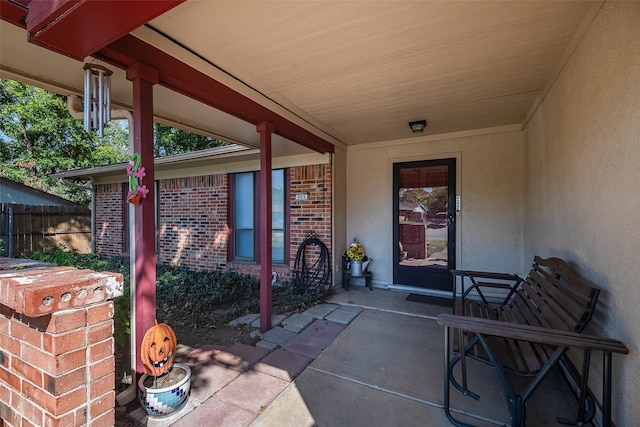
(536, 104)
(350, 366)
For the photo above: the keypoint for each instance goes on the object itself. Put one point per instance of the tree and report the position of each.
(168, 141)
(438, 201)
(415, 196)
(38, 137)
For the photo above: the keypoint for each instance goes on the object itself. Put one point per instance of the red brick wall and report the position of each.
(313, 214)
(108, 217)
(193, 219)
(63, 375)
(58, 369)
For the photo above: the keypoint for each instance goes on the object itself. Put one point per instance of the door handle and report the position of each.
(451, 220)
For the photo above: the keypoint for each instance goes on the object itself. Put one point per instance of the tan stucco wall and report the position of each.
(339, 160)
(489, 181)
(582, 182)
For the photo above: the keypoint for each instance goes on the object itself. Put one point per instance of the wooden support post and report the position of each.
(265, 129)
(143, 274)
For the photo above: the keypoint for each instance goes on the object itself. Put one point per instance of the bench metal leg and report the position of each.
(586, 408)
(518, 413)
(586, 404)
(448, 378)
(586, 361)
(464, 389)
(516, 403)
(606, 389)
(463, 359)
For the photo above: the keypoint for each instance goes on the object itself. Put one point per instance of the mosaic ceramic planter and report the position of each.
(161, 402)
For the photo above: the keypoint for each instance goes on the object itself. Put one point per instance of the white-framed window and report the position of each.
(244, 216)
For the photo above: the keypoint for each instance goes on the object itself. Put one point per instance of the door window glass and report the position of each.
(422, 216)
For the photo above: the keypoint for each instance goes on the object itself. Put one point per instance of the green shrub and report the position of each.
(187, 297)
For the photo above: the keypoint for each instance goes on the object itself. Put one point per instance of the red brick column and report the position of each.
(57, 365)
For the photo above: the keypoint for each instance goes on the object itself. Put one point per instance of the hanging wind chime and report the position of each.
(97, 97)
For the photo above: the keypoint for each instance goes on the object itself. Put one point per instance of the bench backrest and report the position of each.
(553, 296)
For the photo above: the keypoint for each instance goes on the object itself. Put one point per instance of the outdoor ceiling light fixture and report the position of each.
(418, 126)
(97, 97)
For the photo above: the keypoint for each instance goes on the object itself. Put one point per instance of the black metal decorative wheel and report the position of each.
(312, 268)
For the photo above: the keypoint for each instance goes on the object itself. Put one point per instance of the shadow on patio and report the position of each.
(384, 368)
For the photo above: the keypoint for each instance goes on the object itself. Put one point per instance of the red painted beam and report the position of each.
(14, 11)
(182, 78)
(43, 13)
(78, 28)
(265, 129)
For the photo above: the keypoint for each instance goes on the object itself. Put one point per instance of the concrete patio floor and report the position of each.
(382, 365)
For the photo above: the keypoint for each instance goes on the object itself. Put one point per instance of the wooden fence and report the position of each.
(25, 229)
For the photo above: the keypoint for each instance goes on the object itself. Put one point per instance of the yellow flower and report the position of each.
(355, 252)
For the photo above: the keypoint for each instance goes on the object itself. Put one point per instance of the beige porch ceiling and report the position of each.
(352, 72)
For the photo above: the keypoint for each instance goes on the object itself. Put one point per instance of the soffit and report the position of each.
(354, 71)
(361, 70)
(35, 65)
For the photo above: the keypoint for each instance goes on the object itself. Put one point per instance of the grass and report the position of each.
(436, 246)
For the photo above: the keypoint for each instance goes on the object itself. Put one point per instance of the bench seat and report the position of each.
(525, 327)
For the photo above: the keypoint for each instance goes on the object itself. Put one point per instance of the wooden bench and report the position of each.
(526, 326)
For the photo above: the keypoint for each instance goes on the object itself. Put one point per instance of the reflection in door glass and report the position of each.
(422, 216)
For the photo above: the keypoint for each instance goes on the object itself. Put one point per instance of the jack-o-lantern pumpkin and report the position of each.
(158, 349)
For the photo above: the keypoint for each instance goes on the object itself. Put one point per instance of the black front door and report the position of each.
(424, 223)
